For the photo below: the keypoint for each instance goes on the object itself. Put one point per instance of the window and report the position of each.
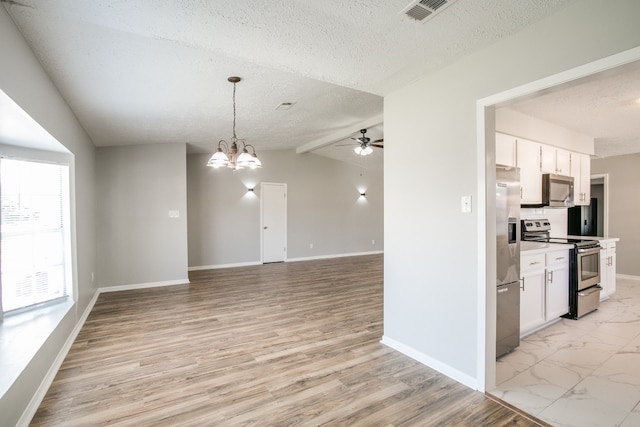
(34, 255)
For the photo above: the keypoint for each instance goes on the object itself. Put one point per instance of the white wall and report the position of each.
(23, 80)
(517, 124)
(139, 242)
(324, 208)
(432, 264)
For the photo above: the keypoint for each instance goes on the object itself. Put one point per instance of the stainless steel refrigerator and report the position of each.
(507, 259)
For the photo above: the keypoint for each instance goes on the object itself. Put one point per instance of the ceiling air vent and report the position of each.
(423, 10)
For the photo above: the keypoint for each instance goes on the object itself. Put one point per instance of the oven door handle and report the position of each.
(588, 251)
(592, 290)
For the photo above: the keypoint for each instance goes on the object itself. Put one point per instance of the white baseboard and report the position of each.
(626, 276)
(216, 266)
(40, 393)
(311, 258)
(245, 264)
(143, 285)
(432, 363)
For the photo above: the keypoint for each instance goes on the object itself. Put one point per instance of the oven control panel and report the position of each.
(536, 225)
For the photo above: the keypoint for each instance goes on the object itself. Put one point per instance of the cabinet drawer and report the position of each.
(557, 257)
(532, 262)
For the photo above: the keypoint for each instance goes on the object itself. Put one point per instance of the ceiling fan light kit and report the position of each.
(226, 154)
(365, 147)
(362, 150)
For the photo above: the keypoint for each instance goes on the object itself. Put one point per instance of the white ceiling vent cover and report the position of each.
(423, 10)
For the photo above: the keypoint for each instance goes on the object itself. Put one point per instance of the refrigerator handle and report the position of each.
(512, 233)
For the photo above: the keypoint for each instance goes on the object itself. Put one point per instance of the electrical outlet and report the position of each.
(310, 245)
(373, 242)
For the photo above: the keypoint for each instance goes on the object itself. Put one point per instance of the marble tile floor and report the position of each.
(583, 372)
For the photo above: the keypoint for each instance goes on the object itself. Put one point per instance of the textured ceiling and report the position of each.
(604, 106)
(155, 71)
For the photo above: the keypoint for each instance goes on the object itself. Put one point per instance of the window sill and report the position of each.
(22, 335)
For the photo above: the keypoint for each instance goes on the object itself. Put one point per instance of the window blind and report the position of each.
(33, 253)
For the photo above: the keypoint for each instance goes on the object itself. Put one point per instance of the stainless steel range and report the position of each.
(584, 266)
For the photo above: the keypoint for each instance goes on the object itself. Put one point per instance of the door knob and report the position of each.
(265, 227)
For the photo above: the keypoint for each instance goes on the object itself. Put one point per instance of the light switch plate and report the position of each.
(465, 204)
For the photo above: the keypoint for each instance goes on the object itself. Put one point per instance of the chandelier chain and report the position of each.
(234, 112)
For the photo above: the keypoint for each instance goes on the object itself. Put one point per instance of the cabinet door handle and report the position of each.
(551, 276)
(559, 258)
(522, 281)
(534, 263)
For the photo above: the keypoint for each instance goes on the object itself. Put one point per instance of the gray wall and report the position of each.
(624, 206)
(23, 80)
(433, 280)
(139, 242)
(323, 207)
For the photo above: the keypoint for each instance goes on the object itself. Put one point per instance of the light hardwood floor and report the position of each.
(272, 345)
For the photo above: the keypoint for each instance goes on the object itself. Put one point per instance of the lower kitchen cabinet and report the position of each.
(607, 269)
(532, 292)
(544, 292)
(557, 284)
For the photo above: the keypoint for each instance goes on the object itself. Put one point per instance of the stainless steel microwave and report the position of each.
(557, 190)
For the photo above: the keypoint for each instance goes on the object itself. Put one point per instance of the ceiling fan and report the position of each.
(365, 144)
(15, 3)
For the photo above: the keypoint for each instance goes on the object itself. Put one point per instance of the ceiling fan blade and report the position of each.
(377, 145)
(379, 140)
(361, 140)
(15, 3)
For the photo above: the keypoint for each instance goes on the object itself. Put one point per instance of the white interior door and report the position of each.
(273, 207)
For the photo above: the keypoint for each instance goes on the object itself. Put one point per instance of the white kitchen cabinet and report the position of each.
(505, 149)
(534, 159)
(528, 160)
(607, 269)
(557, 284)
(532, 291)
(581, 173)
(555, 160)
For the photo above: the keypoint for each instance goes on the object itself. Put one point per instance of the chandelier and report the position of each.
(227, 153)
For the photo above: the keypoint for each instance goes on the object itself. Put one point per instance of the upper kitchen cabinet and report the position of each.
(555, 160)
(528, 160)
(581, 173)
(524, 154)
(505, 150)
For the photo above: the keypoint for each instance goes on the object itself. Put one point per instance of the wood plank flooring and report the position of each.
(272, 345)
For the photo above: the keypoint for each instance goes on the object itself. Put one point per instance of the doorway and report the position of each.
(486, 362)
(273, 222)
(599, 192)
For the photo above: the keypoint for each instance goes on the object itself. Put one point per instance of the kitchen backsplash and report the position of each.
(556, 216)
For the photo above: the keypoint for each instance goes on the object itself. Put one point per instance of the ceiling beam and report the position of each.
(341, 135)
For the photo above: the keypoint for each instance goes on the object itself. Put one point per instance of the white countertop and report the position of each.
(541, 247)
(600, 239)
